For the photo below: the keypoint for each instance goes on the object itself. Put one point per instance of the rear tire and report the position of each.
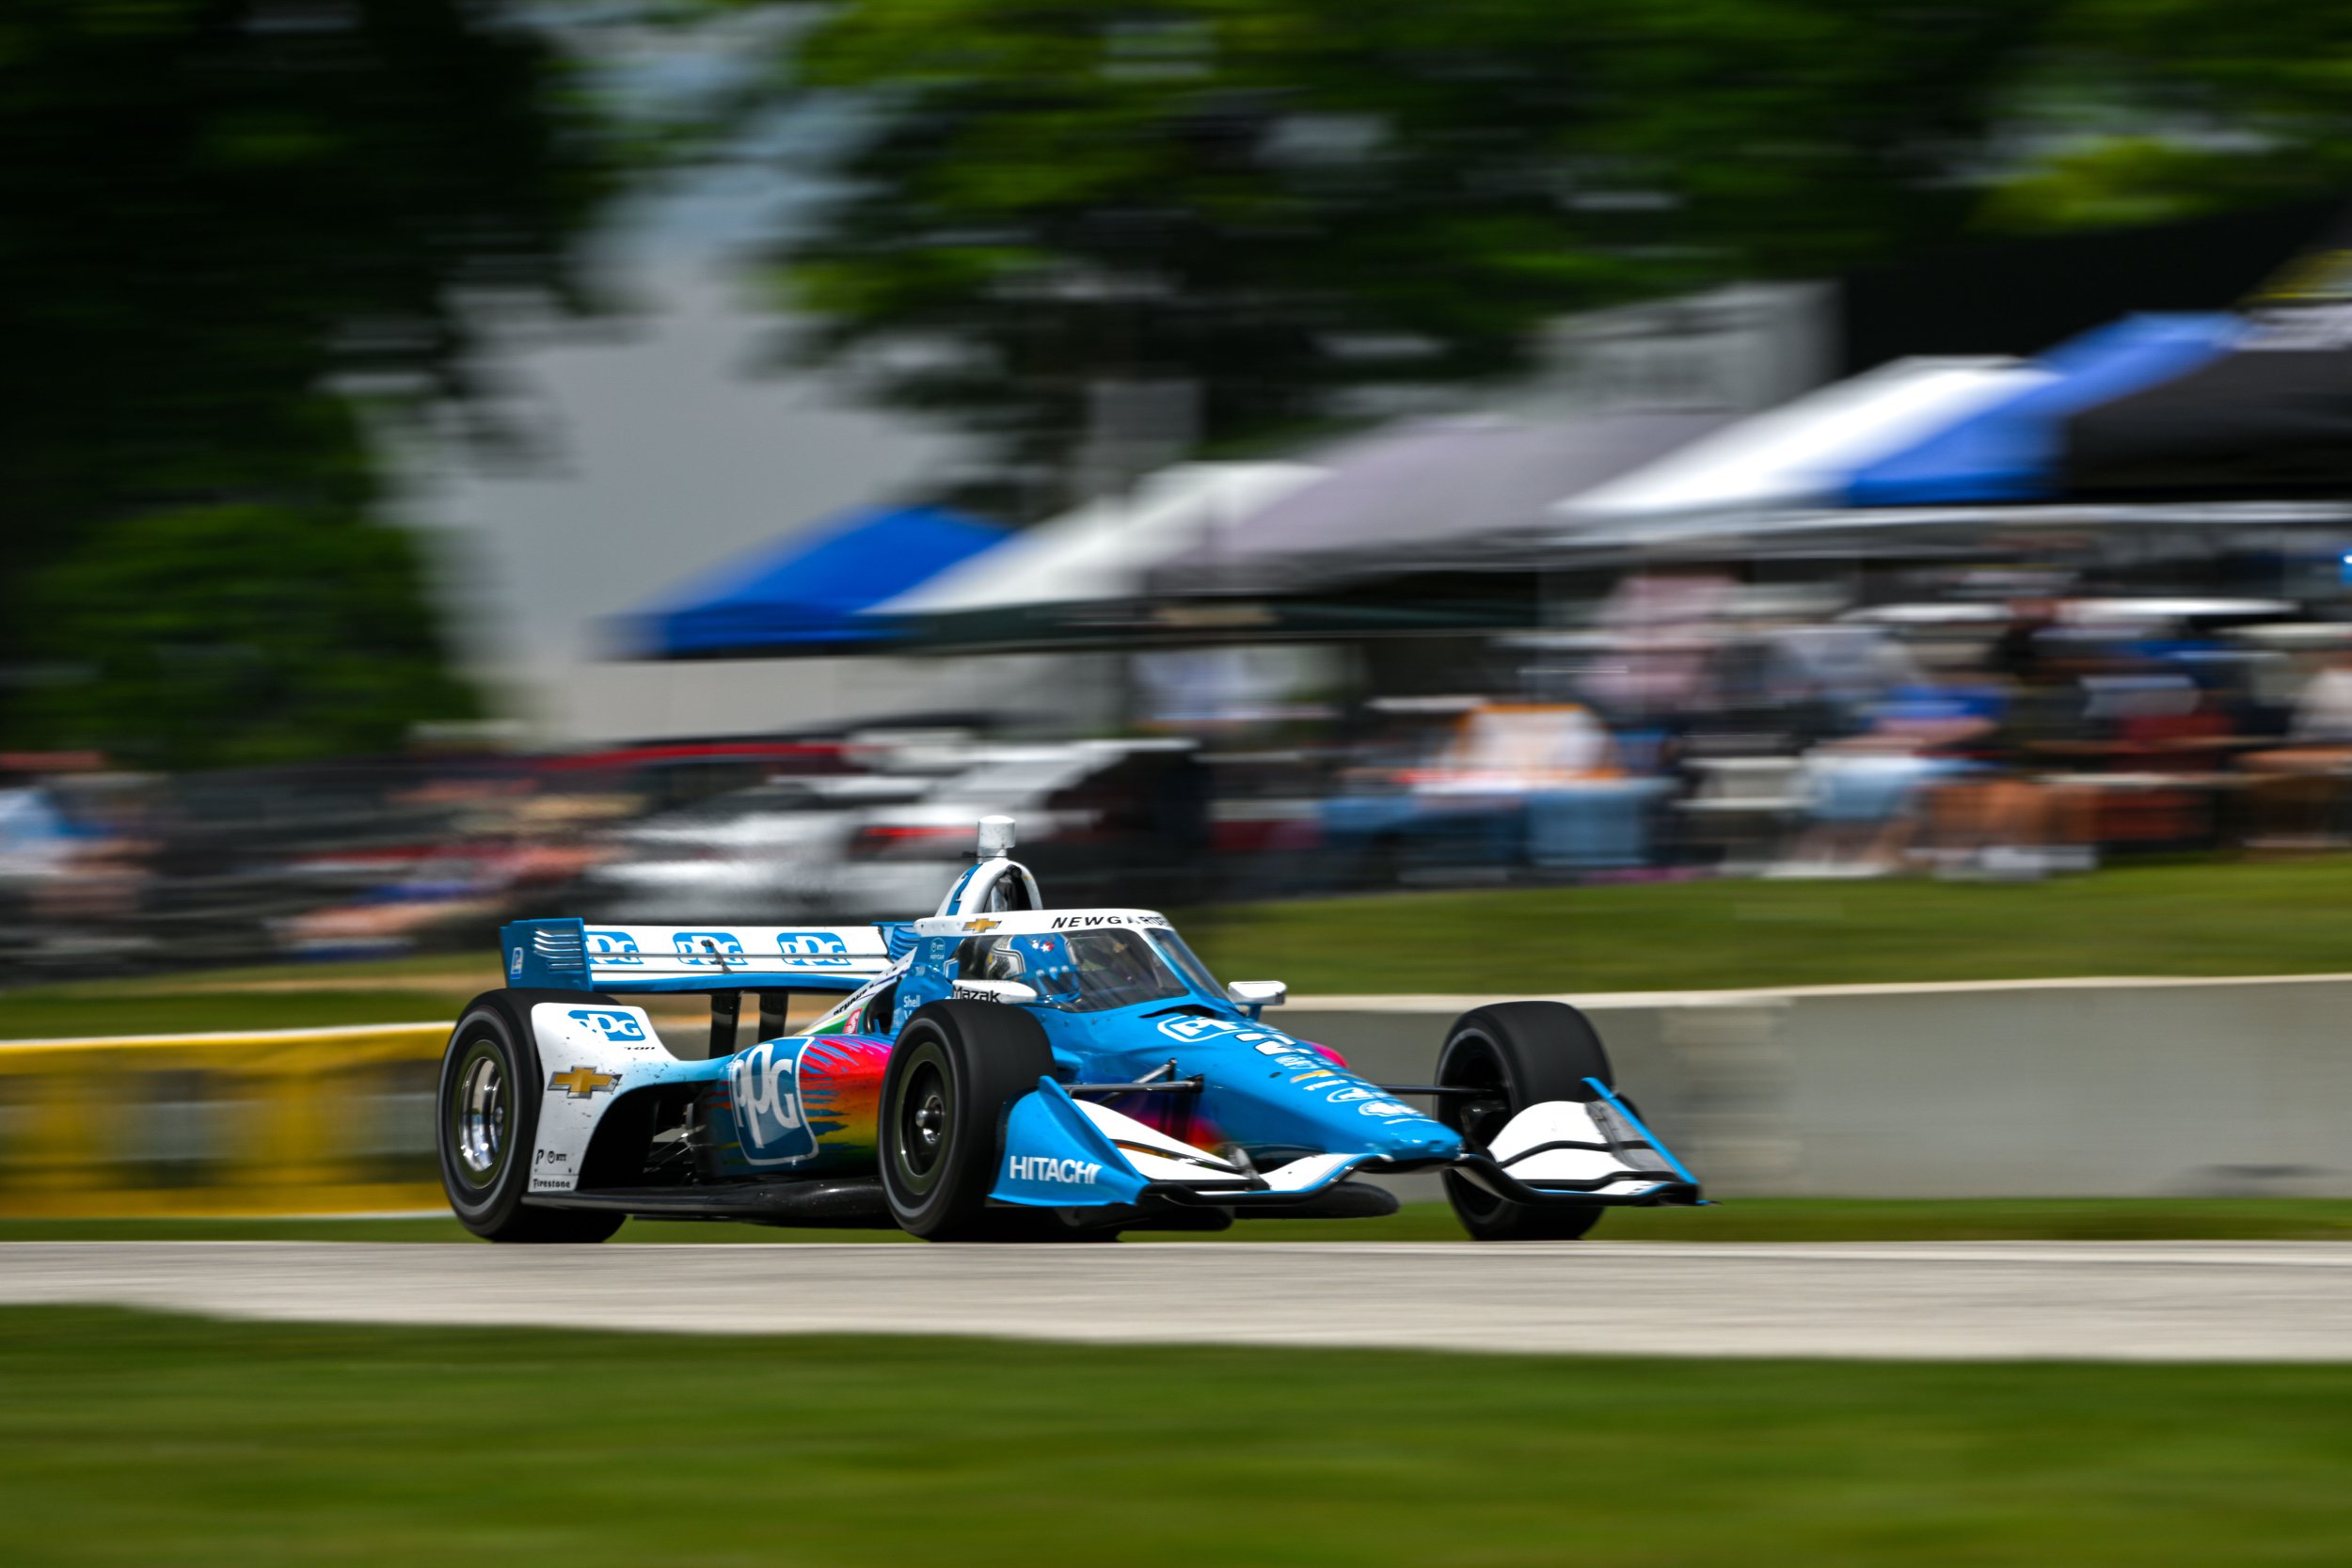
(1526, 1053)
(487, 1121)
(954, 1073)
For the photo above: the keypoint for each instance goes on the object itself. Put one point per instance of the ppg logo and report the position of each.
(1191, 1028)
(611, 1025)
(613, 948)
(814, 949)
(764, 1085)
(708, 948)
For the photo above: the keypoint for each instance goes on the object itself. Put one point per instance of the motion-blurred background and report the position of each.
(687, 460)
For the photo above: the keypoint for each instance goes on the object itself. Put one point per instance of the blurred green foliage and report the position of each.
(1274, 200)
(2138, 111)
(241, 635)
(225, 218)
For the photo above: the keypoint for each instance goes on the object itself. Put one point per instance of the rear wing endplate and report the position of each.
(572, 955)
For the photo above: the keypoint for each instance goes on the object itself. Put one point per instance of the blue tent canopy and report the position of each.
(803, 595)
(2010, 450)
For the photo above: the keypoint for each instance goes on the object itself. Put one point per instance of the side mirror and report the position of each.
(1254, 994)
(995, 991)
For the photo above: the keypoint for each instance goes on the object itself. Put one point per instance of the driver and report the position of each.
(995, 958)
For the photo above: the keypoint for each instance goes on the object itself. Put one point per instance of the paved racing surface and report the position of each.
(2225, 1301)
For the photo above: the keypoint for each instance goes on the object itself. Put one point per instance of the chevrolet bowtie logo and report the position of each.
(981, 925)
(582, 1082)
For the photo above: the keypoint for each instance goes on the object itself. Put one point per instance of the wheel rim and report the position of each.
(481, 1114)
(927, 1120)
(924, 1120)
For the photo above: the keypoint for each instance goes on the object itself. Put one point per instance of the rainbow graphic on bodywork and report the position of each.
(841, 1084)
(805, 1105)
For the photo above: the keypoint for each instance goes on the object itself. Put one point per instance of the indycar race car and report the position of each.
(996, 1071)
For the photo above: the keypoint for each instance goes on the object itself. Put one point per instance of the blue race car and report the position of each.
(998, 1072)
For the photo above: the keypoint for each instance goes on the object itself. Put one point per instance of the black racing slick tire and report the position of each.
(486, 1121)
(954, 1072)
(1525, 1053)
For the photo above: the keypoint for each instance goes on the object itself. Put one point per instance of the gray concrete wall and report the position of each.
(2011, 1089)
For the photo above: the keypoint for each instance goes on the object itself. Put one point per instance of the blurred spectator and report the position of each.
(2018, 655)
(1837, 670)
(2297, 791)
(1863, 792)
(1458, 801)
(1661, 631)
(2323, 713)
(35, 842)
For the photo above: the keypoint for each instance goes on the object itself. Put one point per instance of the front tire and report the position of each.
(1525, 1053)
(487, 1119)
(955, 1071)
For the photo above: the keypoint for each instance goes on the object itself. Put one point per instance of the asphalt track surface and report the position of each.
(2181, 1301)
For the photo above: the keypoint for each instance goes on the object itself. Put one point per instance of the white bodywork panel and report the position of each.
(977, 889)
(1307, 1170)
(1154, 1155)
(1566, 1120)
(1032, 921)
(590, 1052)
(623, 955)
(1157, 1157)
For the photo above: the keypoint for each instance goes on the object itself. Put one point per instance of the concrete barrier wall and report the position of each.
(2027, 1088)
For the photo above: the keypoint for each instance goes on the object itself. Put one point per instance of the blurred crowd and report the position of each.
(1699, 727)
(1688, 726)
(103, 871)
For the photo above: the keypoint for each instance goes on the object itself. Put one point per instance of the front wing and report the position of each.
(1063, 1152)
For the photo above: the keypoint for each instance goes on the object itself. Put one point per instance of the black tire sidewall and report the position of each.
(1547, 1050)
(490, 1023)
(989, 1055)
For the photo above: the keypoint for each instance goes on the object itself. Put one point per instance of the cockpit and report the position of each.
(1086, 971)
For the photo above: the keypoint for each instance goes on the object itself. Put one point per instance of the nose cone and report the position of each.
(1279, 1091)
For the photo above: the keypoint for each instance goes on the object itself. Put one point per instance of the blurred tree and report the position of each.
(1041, 213)
(2141, 111)
(240, 636)
(225, 220)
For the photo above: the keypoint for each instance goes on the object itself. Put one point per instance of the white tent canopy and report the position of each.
(1798, 455)
(1103, 549)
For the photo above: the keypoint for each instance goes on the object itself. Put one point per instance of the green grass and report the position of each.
(2187, 919)
(2202, 918)
(278, 996)
(28, 1017)
(1771, 1219)
(135, 1440)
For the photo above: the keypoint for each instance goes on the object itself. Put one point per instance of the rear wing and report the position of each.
(571, 955)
